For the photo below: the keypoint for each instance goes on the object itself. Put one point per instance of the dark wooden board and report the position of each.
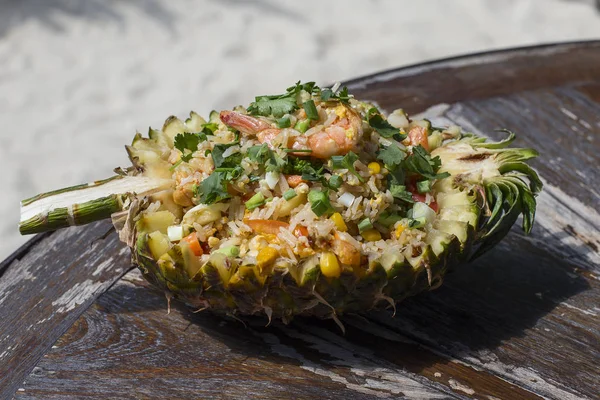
(45, 289)
(521, 322)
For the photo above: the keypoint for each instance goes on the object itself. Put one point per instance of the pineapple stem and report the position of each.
(82, 204)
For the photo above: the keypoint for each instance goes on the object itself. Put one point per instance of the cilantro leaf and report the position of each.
(399, 192)
(232, 161)
(342, 95)
(276, 106)
(263, 155)
(347, 162)
(188, 141)
(391, 156)
(212, 189)
(420, 162)
(384, 128)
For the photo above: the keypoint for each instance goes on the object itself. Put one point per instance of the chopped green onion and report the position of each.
(290, 194)
(319, 203)
(388, 219)
(424, 186)
(335, 181)
(302, 126)
(364, 225)
(255, 201)
(284, 122)
(417, 223)
(311, 110)
(229, 251)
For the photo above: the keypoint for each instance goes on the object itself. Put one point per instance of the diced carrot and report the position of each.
(194, 243)
(294, 180)
(266, 226)
(418, 136)
(300, 231)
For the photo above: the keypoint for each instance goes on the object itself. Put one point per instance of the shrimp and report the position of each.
(339, 138)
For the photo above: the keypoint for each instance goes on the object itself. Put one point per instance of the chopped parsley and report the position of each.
(384, 128)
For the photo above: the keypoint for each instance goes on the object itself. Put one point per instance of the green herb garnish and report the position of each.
(188, 141)
(420, 162)
(424, 186)
(284, 122)
(364, 225)
(391, 156)
(302, 126)
(384, 128)
(346, 162)
(388, 219)
(311, 110)
(319, 203)
(255, 201)
(289, 194)
(335, 181)
(399, 192)
(213, 188)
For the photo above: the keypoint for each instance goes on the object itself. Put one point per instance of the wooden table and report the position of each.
(522, 322)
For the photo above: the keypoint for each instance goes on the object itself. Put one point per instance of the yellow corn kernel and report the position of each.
(339, 222)
(266, 257)
(330, 267)
(371, 235)
(399, 231)
(374, 168)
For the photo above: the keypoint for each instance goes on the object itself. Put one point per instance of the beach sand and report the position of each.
(78, 78)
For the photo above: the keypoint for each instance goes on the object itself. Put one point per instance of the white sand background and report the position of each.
(78, 78)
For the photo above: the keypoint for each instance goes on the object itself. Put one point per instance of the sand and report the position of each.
(77, 79)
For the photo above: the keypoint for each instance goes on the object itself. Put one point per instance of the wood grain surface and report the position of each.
(522, 322)
(46, 287)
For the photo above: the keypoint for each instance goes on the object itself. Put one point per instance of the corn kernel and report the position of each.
(399, 231)
(266, 257)
(330, 267)
(371, 235)
(339, 222)
(374, 168)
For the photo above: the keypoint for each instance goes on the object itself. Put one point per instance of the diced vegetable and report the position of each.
(175, 233)
(255, 201)
(364, 225)
(267, 226)
(192, 241)
(319, 203)
(229, 251)
(330, 267)
(290, 194)
(338, 220)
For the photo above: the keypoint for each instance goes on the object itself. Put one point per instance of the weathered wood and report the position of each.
(520, 322)
(44, 291)
(128, 339)
(126, 346)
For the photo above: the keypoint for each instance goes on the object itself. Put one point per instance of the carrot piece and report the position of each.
(418, 136)
(300, 231)
(194, 243)
(294, 180)
(266, 226)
